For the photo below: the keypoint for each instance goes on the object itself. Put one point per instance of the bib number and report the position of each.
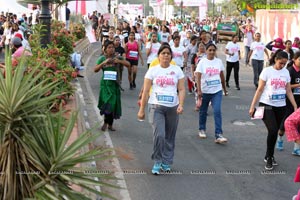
(213, 83)
(133, 54)
(110, 75)
(296, 91)
(165, 98)
(277, 97)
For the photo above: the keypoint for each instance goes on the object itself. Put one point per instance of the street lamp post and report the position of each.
(45, 20)
(181, 5)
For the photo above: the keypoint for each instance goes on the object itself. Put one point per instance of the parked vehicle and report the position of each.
(226, 29)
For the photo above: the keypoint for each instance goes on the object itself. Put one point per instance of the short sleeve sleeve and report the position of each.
(263, 75)
(149, 74)
(100, 60)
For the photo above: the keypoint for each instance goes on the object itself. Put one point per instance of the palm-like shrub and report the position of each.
(34, 159)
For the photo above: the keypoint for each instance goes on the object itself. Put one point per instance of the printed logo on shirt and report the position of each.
(164, 81)
(259, 48)
(211, 71)
(277, 83)
(177, 54)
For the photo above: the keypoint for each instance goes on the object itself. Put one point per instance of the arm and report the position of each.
(198, 81)
(122, 62)
(145, 96)
(267, 53)
(181, 95)
(140, 54)
(102, 64)
(259, 91)
(250, 54)
(296, 85)
(269, 46)
(223, 83)
(291, 96)
(148, 51)
(227, 52)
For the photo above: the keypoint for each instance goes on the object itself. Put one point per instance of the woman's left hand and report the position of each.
(179, 109)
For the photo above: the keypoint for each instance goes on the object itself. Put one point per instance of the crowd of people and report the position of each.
(179, 52)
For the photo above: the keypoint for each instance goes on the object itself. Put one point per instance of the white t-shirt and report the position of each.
(210, 75)
(258, 49)
(178, 55)
(232, 48)
(154, 51)
(164, 36)
(164, 85)
(248, 38)
(274, 93)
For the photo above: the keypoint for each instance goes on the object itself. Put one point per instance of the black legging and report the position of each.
(236, 68)
(272, 119)
(109, 119)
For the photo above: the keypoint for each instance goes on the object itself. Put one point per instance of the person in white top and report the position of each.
(248, 29)
(257, 50)
(165, 104)
(233, 56)
(152, 48)
(179, 52)
(210, 81)
(273, 87)
(165, 34)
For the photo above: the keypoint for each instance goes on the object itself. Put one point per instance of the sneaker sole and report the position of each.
(269, 169)
(155, 173)
(294, 154)
(220, 142)
(202, 137)
(276, 164)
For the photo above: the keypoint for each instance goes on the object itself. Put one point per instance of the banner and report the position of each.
(130, 10)
(188, 3)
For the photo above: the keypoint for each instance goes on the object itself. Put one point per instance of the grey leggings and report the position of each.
(164, 121)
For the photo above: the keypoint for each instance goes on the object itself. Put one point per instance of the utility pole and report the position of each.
(181, 5)
(45, 20)
(213, 11)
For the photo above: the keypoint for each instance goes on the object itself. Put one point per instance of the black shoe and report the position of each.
(274, 163)
(269, 164)
(238, 88)
(227, 85)
(133, 84)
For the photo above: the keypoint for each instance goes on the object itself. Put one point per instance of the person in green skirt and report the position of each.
(109, 101)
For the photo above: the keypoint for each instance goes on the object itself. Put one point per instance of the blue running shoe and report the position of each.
(279, 145)
(156, 168)
(296, 152)
(165, 167)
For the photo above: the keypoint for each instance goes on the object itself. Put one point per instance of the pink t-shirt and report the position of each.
(132, 50)
(19, 52)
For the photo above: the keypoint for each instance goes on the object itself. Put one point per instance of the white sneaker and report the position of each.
(220, 140)
(202, 134)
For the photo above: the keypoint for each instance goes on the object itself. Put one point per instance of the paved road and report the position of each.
(202, 170)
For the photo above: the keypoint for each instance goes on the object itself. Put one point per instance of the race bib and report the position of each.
(296, 91)
(110, 75)
(133, 54)
(105, 33)
(125, 34)
(165, 98)
(213, 83)
(277, 96)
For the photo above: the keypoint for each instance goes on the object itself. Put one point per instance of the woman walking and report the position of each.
(273, 87)
(165, 103)
(133, 53)
(110, 96)
(210, 81)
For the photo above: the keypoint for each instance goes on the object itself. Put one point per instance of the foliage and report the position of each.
(57, 60)
(22, 99)
(78, 31)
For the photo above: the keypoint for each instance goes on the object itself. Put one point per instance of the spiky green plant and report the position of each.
(34, 159)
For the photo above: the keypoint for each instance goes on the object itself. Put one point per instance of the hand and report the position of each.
(251, 111)
(225, 92)
(141, 115)
(179, 109)
(143, 63)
